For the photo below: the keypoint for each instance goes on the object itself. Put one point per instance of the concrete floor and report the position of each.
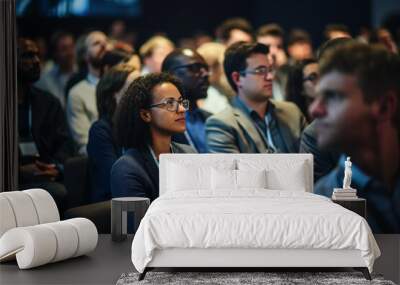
(110, 259)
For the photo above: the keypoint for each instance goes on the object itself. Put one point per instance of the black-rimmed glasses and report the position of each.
(172, 105)
(261, 71)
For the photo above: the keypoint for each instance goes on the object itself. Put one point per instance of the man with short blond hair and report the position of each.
(153, 53)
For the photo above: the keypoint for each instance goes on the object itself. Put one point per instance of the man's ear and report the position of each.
(145, 115)
(236, 78)
(387, 106)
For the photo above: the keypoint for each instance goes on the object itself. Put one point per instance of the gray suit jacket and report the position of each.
(233, 131)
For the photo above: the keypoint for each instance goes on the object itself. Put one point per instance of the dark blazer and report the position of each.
(135, 173)
(232, 131)
(102, 154)
(49, 127)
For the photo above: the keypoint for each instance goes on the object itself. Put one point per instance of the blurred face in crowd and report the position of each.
(386, 39)
(117, 29)
(96, 44)
(275, 48)
(28, 61)
(65, 52)
(168, 117)
(343, 119)
(213, 54)
(216, 71)
(300, 51)
(158, 55)
(338, 34)
(255, 82)
(237, 35)
(310, 79)
(134, 61)
(192, 70)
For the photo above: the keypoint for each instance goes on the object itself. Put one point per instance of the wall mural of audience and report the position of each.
(246, 90)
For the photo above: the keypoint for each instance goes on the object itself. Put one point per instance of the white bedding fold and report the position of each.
(253, 218)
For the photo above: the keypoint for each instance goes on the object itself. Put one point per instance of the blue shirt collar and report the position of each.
(238, 103)
(93, 80)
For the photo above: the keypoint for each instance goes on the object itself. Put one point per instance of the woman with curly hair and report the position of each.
(150, 112)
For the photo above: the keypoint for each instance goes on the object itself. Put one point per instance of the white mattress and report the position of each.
(253, 218)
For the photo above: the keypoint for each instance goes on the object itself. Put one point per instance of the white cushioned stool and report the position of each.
(31, 230)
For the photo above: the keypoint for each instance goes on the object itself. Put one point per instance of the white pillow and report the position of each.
(225, 179)
(293, 181)
(185, 175)
(281, 174)
(251, 179)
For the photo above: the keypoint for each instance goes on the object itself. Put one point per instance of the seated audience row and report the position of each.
(43, 135)
(133, 121)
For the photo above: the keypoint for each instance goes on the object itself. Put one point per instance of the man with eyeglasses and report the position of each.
(190, 67)
(255, 124)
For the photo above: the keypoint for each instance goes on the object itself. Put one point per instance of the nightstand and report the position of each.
(357, 205)
(119, 209)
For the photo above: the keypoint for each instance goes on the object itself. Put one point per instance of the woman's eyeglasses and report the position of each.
(172, 105)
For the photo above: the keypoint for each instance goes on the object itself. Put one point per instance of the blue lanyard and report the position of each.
(269, 136)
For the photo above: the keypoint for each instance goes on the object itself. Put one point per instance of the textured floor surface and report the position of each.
(226, 278)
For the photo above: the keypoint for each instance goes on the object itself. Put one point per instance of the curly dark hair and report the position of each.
(111, 82)
(130, 129)
(236, 55)
(376, 69)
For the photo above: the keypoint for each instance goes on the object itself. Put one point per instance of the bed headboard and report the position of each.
(287, 166)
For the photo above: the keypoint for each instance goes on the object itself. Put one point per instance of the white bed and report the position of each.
(247, 210)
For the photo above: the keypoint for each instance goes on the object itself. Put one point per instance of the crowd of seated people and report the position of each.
(123, 109)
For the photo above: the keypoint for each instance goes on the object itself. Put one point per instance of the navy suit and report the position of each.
(135, 173)
(102, 153)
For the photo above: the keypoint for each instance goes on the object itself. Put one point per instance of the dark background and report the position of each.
(178, 18)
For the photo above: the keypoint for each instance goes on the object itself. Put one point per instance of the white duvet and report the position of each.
(253, 218)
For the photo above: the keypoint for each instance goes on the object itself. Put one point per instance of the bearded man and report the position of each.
(81, 102)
